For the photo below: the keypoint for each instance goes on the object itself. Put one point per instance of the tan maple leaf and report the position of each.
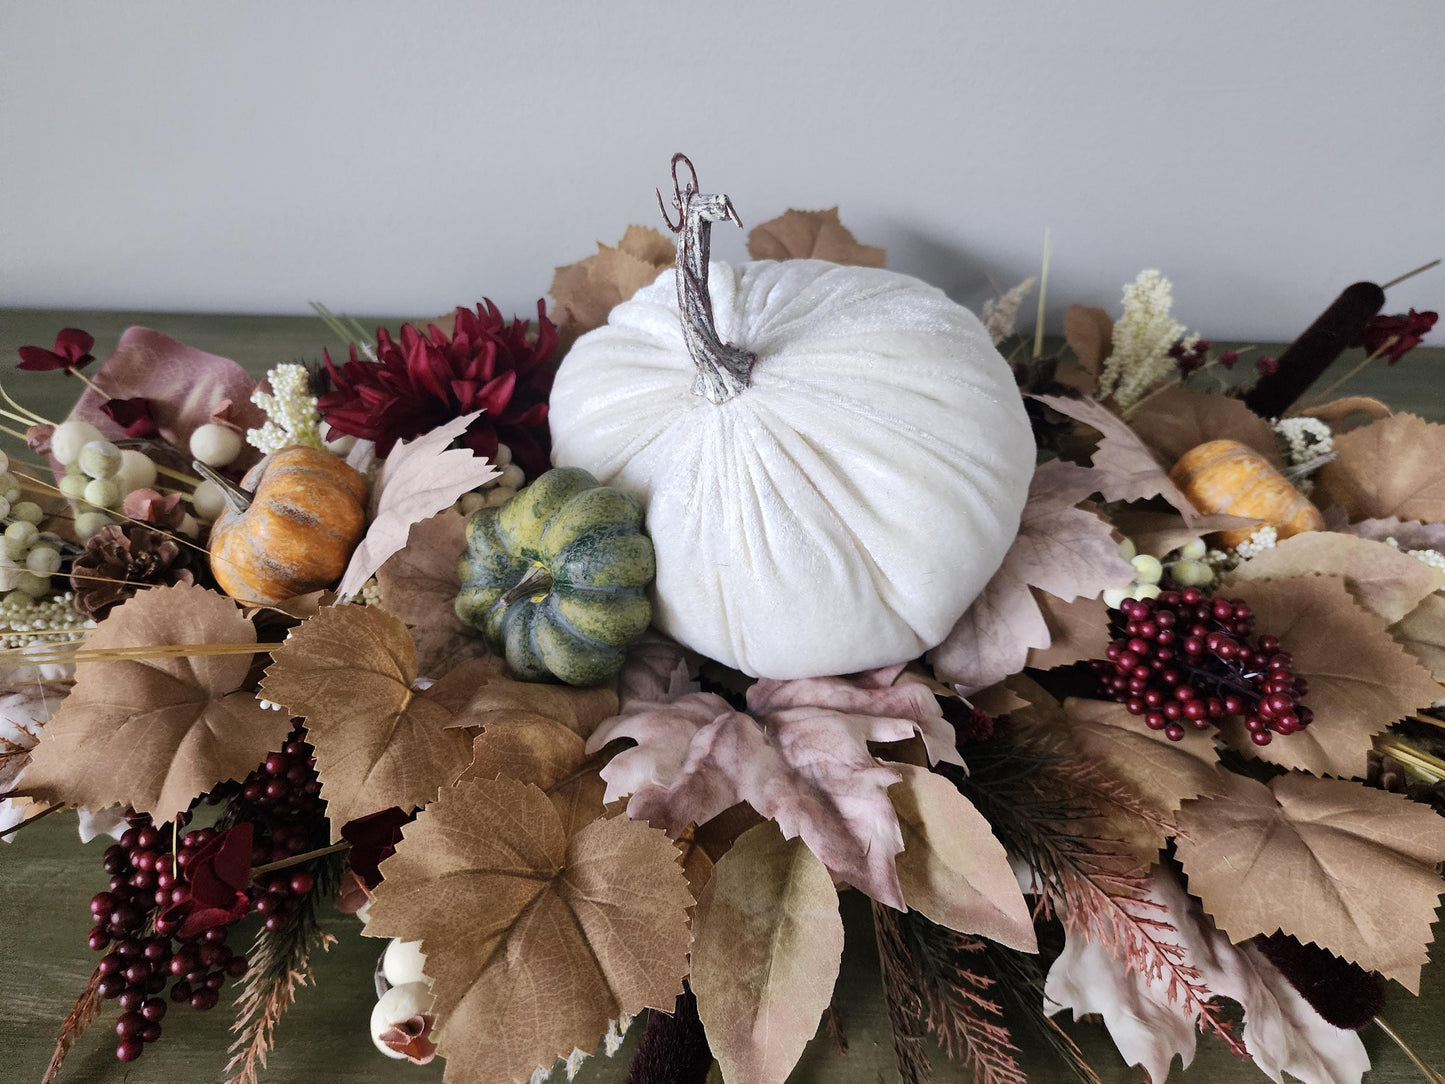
(767, 946)
(419, 584)
(351, 672)
(1060, 549)
(1177, 419)
(1360, 679)
(586, 291)
(1395, 467)
(1125, 468)
(1345, 866)
(1078, 630)
(419, 479)
(952, 869)
(156, 732)
(1158, 533)
(811, 235)
(534, 940)
(1422, 632)
(1382, 578)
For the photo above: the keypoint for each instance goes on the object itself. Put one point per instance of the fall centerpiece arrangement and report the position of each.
(588, 660)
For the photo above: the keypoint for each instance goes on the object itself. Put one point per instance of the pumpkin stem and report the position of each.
(537, 582)
(723, 370)
(236, 498)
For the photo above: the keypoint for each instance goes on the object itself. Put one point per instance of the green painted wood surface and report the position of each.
(47, 876)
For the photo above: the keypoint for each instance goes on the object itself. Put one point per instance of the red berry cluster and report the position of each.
(1183, 659)
(140, 919)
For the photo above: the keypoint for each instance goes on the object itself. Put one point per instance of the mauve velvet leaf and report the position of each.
(801, 760)
(184, 386)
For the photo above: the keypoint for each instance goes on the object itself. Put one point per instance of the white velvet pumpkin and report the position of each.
(843, 510)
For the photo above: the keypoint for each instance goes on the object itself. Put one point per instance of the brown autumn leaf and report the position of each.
(1060, 549)
(1078, 630)
(537, 733)
(1360, 679)
(767, 946)
(351, 672)
(952, 869)
(547, 754)
(1177, 419)
(586, 291)
(1395, 467)
(419, 584)
(534, 940)
(1382, 579)
(1345, 414)
(155, 733)
(1422, 632)
(1126, 469)
(1089, 331)
(1345, 866)
(419, 478)
(811, 235)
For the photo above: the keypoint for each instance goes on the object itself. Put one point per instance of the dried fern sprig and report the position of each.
(1052, 811)
(80, 1017)
(280, 965)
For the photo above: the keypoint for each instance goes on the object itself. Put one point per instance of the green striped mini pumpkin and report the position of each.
(556, 578)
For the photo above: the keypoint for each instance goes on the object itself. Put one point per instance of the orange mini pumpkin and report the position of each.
(289, 528)
(1227, 477)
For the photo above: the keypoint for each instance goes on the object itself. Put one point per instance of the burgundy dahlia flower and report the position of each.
(1396, 336)
(426, 380)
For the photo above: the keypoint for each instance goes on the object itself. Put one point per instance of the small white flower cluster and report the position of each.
(1221, 560)
(1142, 338)
(1434, 558)
(1000, 315)
(1304, 439)
(370, 593)
(1263, 539)
(290, 410)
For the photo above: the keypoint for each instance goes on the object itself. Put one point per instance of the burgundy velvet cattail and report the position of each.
(1345, 994)
(1336, 329)
(673, 1049)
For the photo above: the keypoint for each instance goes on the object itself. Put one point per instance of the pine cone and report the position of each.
(121, 558)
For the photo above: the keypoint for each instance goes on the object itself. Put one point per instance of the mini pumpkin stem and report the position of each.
(723, 370)
(537, 581)
(236, 498)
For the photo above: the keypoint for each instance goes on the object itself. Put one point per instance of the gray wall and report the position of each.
(403, 157)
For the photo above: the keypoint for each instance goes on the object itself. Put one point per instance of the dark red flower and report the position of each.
(1228, 358)
(218, 875)
(429, 379)
(1395, 336)
(373, 839)
(1267, 365)
(132, 415)
(71, 352)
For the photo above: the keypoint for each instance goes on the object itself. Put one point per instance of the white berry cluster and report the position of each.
(98, 475)
(370, 593)
(1263, 539)
(1000, 315)
(292, 417)
(1304, 439)
(1185, 565)
(1142, 339)
(499, 490)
